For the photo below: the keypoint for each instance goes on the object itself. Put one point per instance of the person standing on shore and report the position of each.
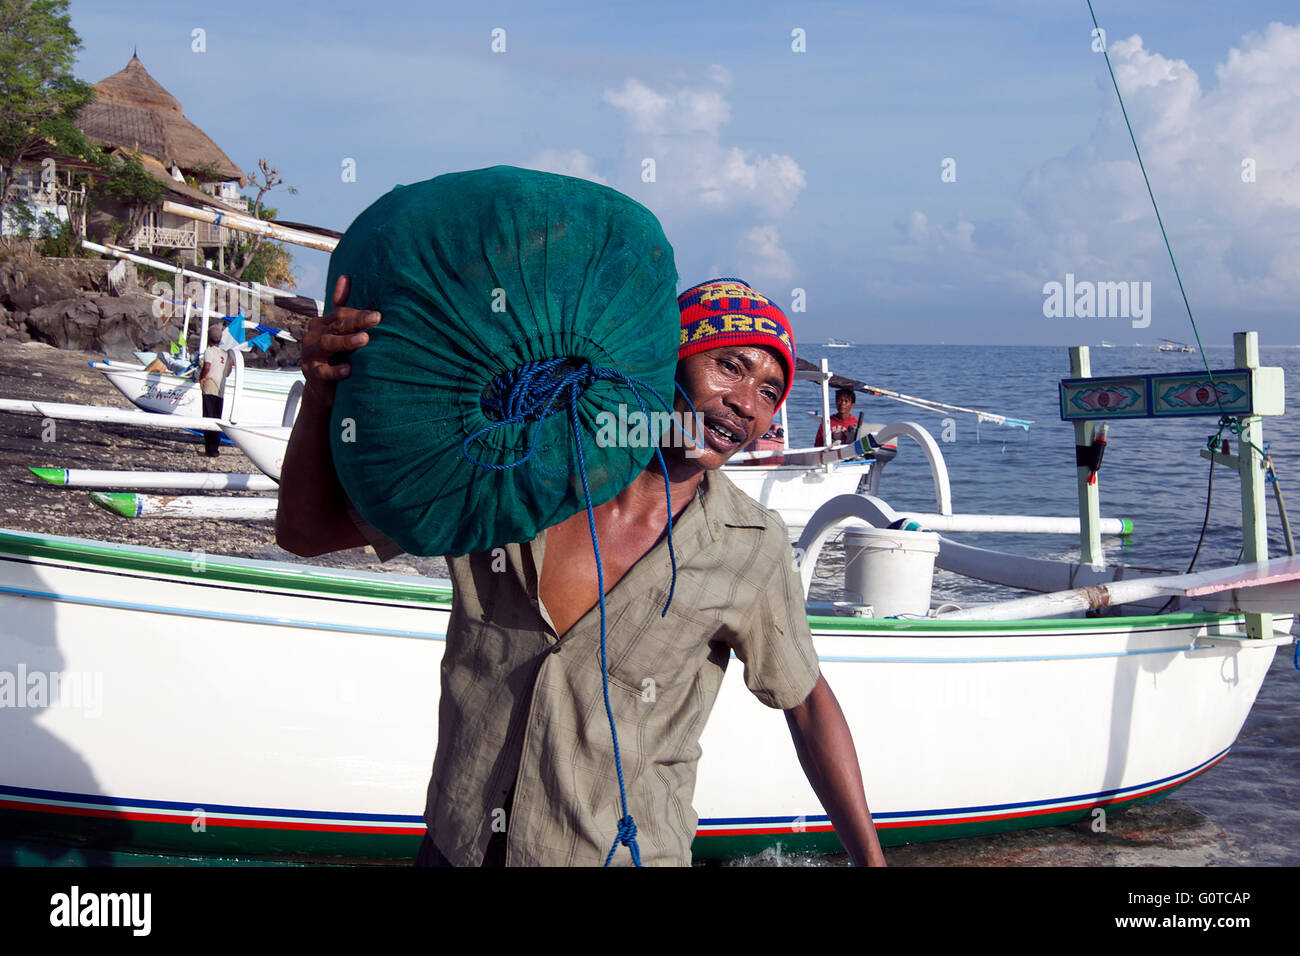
(216, 363)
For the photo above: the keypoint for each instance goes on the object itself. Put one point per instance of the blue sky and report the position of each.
(818, 170)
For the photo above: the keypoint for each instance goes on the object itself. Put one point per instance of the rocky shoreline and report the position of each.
(74, 304)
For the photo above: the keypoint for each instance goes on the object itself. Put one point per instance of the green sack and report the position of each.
(477, 274)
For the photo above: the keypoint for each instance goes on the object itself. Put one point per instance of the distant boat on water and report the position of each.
(835, 343)
(1105, 345)
(1171, 346)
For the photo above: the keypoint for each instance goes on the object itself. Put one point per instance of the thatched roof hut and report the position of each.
(131, 110)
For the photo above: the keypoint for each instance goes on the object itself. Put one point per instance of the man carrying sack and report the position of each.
(545, 757)
(736, 381)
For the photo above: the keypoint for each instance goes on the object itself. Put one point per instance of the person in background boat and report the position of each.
(770, 440)
(843, 422)
(216, 363)
(523, 771)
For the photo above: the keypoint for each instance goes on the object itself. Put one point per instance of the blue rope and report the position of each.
(528, 394)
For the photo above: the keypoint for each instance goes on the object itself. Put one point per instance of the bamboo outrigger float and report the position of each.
(232, 719)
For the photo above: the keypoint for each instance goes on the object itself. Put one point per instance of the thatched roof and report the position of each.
(132, 111)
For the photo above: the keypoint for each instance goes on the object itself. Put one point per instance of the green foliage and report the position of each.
(257, 258)
(125, 178)
(149, 276)
(53, 236)
(60, 240)
(38, 93)
(265, 212)
(118, 229)
(205, 173)
(21, 219)
(271, 264)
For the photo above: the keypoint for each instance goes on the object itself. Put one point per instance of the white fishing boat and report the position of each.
(232, 721)
(252, 396)
(834, 343)
(803, 480)
(795, 491)
(214, 707)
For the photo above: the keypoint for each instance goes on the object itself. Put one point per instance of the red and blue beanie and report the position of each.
(729, 312)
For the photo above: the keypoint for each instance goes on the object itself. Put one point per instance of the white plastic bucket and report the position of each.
(889, 569)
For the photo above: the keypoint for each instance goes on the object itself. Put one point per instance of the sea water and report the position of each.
(1243, 811)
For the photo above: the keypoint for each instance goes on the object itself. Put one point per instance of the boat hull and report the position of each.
(221, 708)
(263, 393)
(797, 491)
(265, 446)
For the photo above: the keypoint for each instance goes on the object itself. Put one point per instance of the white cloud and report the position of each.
(1088, 212)
(644, 106)
(769, 262)
(711, 194)
(682, 130)
(719, 75)
(567, 162)
(959, 235)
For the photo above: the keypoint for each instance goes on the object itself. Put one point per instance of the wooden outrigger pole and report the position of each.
(259, 227)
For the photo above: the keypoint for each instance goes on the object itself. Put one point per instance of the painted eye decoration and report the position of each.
(1108, 399)
(1200, 395)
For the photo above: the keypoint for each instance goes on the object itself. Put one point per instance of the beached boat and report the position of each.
(794, 490)
(251, 396)
(180, 703)
(801, 483)
(214, 706)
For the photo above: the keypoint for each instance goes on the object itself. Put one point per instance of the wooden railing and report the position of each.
(150, 236)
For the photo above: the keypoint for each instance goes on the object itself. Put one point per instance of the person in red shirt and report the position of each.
(843, 422)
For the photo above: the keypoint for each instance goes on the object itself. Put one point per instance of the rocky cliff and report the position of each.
(70, 304)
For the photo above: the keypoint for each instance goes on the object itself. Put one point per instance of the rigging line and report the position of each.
(1159, 220)
(935, 406)
(1214, 388)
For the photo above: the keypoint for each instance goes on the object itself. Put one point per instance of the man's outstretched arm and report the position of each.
(825, 747)
(312, 517)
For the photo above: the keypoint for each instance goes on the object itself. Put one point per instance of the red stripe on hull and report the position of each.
(207, 821)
